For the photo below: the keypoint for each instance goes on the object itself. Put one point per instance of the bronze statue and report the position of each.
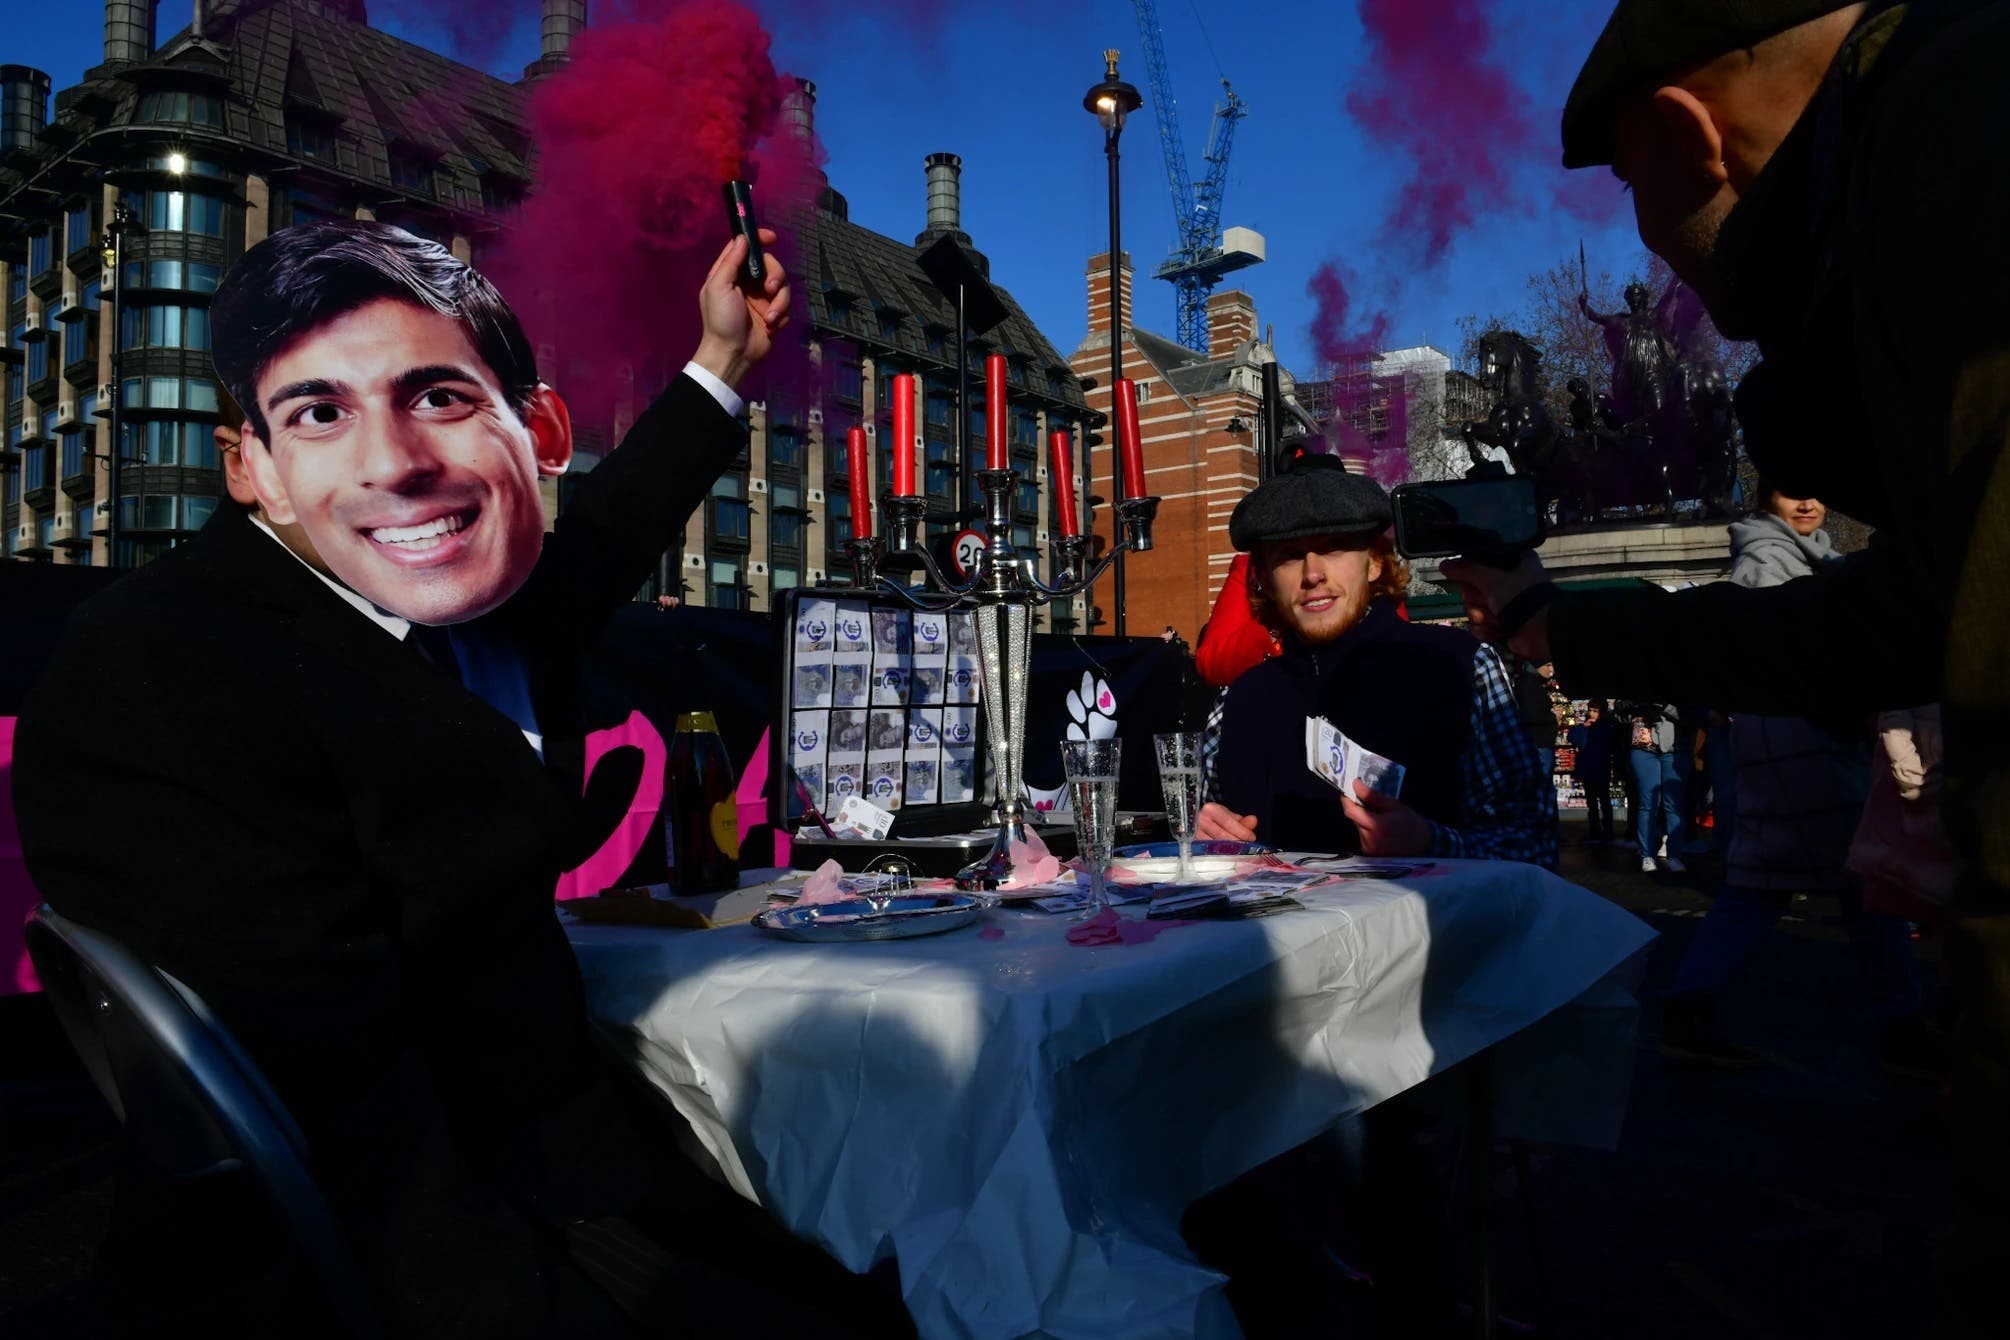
(1643, 357)
(1519, 422)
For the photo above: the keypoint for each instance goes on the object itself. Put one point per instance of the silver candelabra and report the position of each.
(1003, 590)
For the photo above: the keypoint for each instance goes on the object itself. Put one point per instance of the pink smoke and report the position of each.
(662, 102)
(1435, 94)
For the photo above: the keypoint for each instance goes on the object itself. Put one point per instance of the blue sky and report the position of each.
(1001, 84)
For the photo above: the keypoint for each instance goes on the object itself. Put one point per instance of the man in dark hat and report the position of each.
(1325, 576)
(1830, 179)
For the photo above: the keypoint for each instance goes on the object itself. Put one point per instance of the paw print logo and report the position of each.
(1094, 709)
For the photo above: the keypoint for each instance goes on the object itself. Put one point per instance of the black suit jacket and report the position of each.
(352, 858)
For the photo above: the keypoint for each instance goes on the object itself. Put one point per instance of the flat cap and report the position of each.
(1314, 496)
(1647, 40)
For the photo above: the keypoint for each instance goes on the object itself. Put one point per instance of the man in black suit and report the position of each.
(250, 763)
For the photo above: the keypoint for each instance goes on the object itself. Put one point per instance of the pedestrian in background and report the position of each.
(1657, 756)
(1591, 744)
(1801, 788)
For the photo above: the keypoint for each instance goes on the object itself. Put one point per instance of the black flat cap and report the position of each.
(1314, 496)
(1647, 40)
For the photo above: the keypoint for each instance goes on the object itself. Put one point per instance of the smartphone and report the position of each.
(1476, 517)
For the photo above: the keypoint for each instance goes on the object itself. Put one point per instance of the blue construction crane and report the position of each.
(1200, 260)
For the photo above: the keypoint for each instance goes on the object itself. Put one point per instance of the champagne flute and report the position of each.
(1091, 767)
(1179, 774)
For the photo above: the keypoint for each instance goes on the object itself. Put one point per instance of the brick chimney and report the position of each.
(1099, 293)
(1231, 321)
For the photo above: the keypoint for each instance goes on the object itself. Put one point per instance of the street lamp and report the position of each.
(1110, 102)
(122, 222)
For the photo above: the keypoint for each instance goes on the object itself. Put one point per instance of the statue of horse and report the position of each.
(1519, 422)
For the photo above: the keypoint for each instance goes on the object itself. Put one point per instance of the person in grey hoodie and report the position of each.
(1801, 790)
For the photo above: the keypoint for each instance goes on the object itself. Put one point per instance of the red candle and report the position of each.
(859, 464)
(903, 436)
(994, 412)
(1063, 476)
(1129, 440)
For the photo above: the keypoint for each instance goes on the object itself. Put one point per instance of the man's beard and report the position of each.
(1328, 629)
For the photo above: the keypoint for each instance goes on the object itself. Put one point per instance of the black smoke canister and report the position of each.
(740, 214)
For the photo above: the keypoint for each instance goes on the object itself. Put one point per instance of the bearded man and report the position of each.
(1325, 576)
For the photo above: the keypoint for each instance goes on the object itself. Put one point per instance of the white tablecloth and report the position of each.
(1022, 1121)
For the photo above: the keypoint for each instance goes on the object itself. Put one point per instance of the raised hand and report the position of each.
(740, 326)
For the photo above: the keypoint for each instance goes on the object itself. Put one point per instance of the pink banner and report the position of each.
(18, 898)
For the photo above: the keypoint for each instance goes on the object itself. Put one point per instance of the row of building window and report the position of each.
(177, 107)
(167, 326)
(179, 212)
(190, 393)
(187, 276)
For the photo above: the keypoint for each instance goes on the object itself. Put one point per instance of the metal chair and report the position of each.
(192, 1102)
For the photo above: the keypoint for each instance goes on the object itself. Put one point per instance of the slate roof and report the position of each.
(858, 275)
(387, 93)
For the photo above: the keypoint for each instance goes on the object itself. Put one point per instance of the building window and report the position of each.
(889, 327)
(939, 408)
(411, 173)
(839, 514)
(1026, 431)
(38, 361)
(17, 280)
(197, 393)
(77, 230)
(1027, 499)
(849, 384)
(175, 442)
(309, 138)
(785, 517)
(34, 469)
(727, 592)
(80, 337)
(785, 445)
(41, 254)
(500, 193)
(180, 212)
(1022, 537)
(194, 109)
(73, 455)
(167, 327)
(731, 519)
(187, 276)
(783, 578)
(938, 342)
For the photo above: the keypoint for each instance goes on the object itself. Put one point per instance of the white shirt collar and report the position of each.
(394, 625)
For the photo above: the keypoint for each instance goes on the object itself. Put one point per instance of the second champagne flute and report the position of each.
(1179, 774)
(1091, 767)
